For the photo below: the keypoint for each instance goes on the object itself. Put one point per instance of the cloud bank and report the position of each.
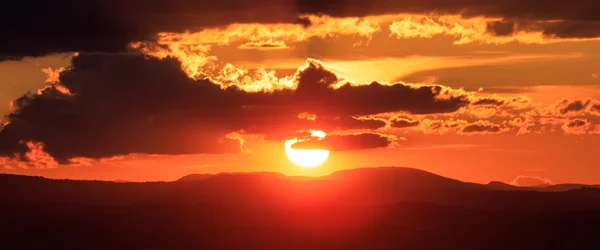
(111, 25)
(110, 105)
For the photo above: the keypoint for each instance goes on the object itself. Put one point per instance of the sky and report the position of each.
(145, 91)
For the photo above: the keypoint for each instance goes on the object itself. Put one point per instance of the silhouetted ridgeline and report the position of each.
(376, 208)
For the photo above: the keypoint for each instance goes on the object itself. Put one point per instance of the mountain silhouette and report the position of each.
(399, 177)
(371, 208)
(195, 177)
(498, 185)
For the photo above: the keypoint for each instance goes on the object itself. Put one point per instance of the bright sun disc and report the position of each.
(307, 158)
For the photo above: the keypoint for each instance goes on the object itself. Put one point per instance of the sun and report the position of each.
(307, 158)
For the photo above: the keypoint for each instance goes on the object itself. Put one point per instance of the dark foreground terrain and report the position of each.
(378, 208)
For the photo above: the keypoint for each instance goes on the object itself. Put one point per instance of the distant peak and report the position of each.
(195, 177)
(199, 177)
(492, 183)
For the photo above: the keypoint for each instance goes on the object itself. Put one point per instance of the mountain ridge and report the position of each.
(383, 174)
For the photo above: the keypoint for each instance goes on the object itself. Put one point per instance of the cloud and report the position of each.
(344, 142)
(595, 109)
(401, 122)
(578, 107)
(573, 117)
(274, 33)
(110, 25)
(576, 10)
(438, 126)
(52, 75)
(453, 125)
(110, 105)
(482, 127)
(576, 126)
(350, 123)
(35, 157)
(531, 181)
(124, 104)
(264, 45)
(494, 30)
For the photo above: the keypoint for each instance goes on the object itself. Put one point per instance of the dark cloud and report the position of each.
(596, 109)
(282, 125)
(568, 29)
(534, 9)
(121, 104)
(316, 90)
(489, 101)
(481, 128)
(124, 105)
(555, 28)
(574, 106)
(578, 107)
(348, 122)
(263, 45)
(35, 28)
(576, 123)
(347, 142)
(399, 122)
(501, 28)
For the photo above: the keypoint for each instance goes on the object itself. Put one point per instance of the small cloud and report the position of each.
(482, 127)
(53, 75)
(347, 142)
(264, 45)
(400, 122)
(446, 146)
(531, 181)
(576, 126)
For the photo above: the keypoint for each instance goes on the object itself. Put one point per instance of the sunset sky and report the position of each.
(478, 91)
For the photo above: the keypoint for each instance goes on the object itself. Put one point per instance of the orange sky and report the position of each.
(537, 135)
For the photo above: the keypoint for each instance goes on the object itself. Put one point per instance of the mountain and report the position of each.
(355, 187)
(398, 177)
(497, 185)
(372, 208)
(195, 177)
(565, 187)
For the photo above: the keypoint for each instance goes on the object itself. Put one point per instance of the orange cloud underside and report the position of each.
(193, 49)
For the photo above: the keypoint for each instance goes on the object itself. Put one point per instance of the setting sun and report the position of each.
(307, 158)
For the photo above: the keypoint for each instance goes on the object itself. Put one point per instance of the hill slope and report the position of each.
(376, 208)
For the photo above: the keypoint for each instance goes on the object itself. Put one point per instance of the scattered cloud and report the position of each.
(344, 142)
(401, 122)
(578, 127)
(482, 127)
(266, 45)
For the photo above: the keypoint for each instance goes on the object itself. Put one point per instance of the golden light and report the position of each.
(307, 158)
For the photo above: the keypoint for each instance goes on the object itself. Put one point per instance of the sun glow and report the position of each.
(307, 158)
